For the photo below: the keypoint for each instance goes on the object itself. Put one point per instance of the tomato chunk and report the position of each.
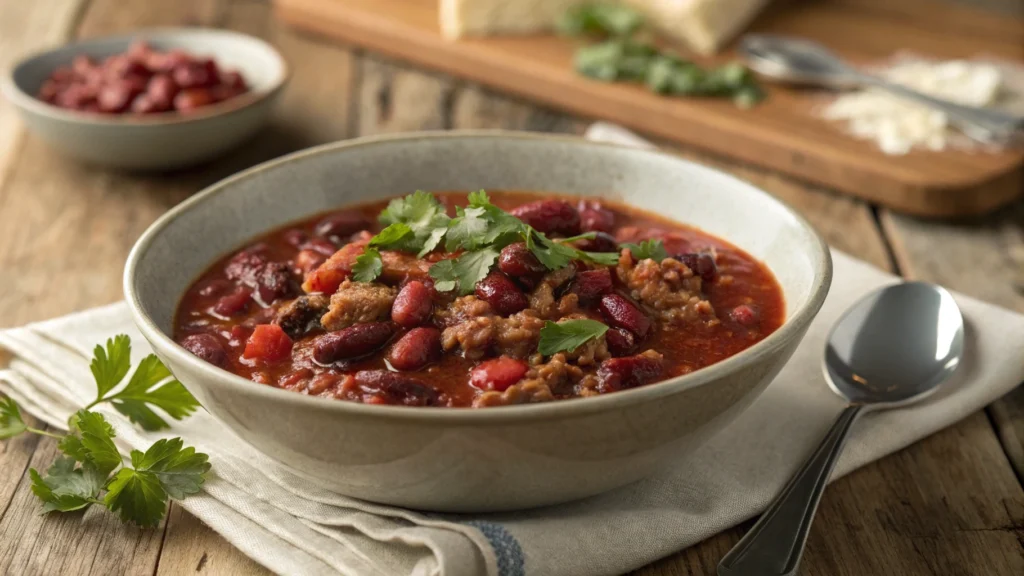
(497, 374)
(268, 344)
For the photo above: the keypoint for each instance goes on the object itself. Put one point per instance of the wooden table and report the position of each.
(950, 504)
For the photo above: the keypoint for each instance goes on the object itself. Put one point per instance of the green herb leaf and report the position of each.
(11, 423)
(137, 497)
(392, 235)
(578, 237)
(653, 249)
(568, 335)
(142, 390)
(600, 61)
(65, 487)
(97, 442)
(600, 258)
(468, 229)
(180, 469)
(111, 365)
(603, 19)
(424, 215)
(73, 447)
(368, 266)
(463, 272)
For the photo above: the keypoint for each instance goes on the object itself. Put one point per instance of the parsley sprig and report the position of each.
(568, 335)
(91, 470)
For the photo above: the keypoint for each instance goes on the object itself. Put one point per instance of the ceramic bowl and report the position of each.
(489, 459)
(159, 141)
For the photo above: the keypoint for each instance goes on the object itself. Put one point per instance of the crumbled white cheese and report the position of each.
(897, 125)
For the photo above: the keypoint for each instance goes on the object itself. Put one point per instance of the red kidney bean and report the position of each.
(417, 348)
(268, 344)
(215, 287)
(497, 374)
(233, 80)
(340, 226)
(234, 303)
(622, 313)
(296, 237)
(193, 75)
(629, 372)
(597, 219)
(114, 99)
(744, 315)
(621, 342)
(502, 294)
(143, 104)
(273, 282)
(325, 247)
(601, 242)
(516, 260)
(412, 305)
(702, 264)
(589, 285)
(550, 216)
(162, 89)
(308, 260)
(207, 347)
(191, 98)
(396, 388)
(83, 65)
(245, 265)
(352, 342)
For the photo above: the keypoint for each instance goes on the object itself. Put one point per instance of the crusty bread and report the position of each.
(701, 25)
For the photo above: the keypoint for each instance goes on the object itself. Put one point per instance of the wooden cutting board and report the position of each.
(780, 134)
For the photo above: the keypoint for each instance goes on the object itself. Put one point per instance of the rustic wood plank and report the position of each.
(191, 547)
(983, 258)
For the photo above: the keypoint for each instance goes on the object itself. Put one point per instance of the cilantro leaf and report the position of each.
(432, 240)
(179, 469)
(109, 366)
(137, 497)
(601, 18)
(392, 235)
(653, 249)
(11, 423)
(568, 335)
(66, 488)
(553, 255)
(368, 266)
(463, 272)
(425, 217)
(142, 390)
(97, 442)
(600, 258)
(468, 229)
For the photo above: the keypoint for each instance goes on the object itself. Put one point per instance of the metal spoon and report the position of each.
(891, 348)
(805, 62)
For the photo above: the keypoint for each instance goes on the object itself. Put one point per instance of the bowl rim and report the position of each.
(29, 102)
(772, 344)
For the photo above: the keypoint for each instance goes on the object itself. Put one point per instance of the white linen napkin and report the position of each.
(291, 526)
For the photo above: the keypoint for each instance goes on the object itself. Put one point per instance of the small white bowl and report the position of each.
(157, 141)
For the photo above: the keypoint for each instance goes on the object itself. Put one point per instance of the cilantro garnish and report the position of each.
(653, 249)
(424, 216)
(568, 335)
(368, 266)
(91, 470)
(463, 272)
(110, 365)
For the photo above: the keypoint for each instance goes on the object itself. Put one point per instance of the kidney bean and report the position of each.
(417, 348)
(207, 347)
(702, 264)
(215, 287)
(308, 260)
(622, 313)
(621, 342)
(396, 388)
(589, 285)
(273, 282)
(516, 260)
(114, 99)
(352, 342)
(550, 216)
(245, 265)
(83, 65)
(744, 315)
(497, 374)
(597, 219)
(234, 303)
(340, 226)
(268, 344)
(502, 294)
(629, 372)
(162, 89)
(233, 80)
(193, 75)
(325, 247)
(191, 98)
(601, 242)
(412, 305)
(143, 104)
(297, 380)
(295, 237)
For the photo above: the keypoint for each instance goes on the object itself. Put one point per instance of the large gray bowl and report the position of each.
(476, 459)
(158, 141)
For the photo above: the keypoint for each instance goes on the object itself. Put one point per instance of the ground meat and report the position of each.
(358, 302)
(397, 266)
(542, 298)
(473, 337)
(461, 310)
(557, 373)
(524, 392)
(302, 315)
(517, 335)
(668, 290)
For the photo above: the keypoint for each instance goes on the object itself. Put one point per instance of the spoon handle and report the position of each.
(774, 545)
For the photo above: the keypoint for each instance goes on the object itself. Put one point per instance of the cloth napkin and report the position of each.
(292, 526)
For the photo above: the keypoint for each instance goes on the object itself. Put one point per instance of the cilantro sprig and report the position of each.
(653, 249)
(91, 470)
(568, 335)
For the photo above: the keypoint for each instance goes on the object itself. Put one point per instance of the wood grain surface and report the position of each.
(950, 504)
(779, 133)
